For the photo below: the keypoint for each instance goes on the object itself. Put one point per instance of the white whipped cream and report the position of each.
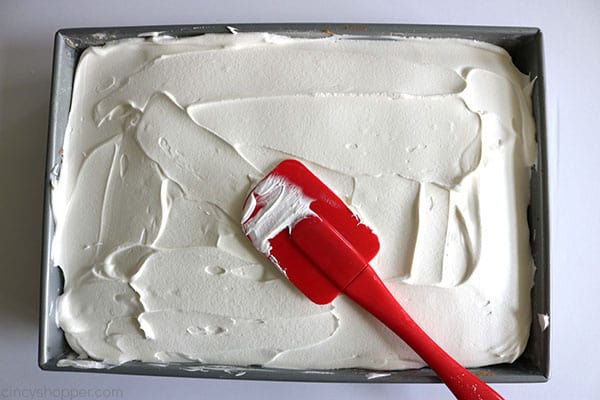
(273, 206)
(429, 140)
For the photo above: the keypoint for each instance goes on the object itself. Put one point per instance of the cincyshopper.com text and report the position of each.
(59, 393)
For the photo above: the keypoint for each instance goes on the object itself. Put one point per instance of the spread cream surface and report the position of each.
(430, 141)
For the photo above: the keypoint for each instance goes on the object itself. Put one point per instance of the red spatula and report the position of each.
(324, 249)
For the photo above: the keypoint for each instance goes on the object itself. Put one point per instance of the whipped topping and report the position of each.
(273, 205)
(431, 141)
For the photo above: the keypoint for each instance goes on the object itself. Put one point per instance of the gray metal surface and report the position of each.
(525, 47)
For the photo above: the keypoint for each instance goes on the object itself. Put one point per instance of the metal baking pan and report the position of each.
(525, 47)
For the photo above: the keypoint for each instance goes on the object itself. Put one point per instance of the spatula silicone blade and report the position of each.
(324, 249)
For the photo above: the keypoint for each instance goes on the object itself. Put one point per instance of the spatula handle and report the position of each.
(371, 293)
(349, 272)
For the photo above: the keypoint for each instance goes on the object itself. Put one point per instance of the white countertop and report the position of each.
(572, 56)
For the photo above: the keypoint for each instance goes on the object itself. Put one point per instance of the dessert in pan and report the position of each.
(430, 141)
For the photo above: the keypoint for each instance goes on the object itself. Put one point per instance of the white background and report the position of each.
(571, 32)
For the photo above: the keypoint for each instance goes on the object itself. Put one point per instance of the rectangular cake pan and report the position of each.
(525, 47)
